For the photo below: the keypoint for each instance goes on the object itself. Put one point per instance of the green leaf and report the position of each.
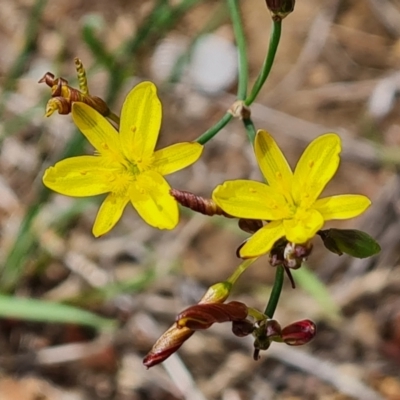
(311, 284)
(350, 241)
(47, 311)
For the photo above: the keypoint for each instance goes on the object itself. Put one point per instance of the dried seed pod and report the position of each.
(197, 203)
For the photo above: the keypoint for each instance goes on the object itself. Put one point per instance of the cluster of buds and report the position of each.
(212, 309)
(63, 95)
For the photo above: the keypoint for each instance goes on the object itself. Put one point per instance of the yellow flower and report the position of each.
(289, 200)
(125, 165)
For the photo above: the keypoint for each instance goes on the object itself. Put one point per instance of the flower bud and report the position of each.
(217, 293)
(250, 225)
(280, 8)
(242, 328)
(299, 333)
(202, 316)
(167, 344)
(196, 203)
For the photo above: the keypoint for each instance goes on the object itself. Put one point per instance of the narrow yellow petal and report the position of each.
(109, 213)
(342, 206)
(176, 157)
(315, 169)
(263, 240)
(303, 227)
(140, 122)
(273, 163)
(100, 133)
(152, 201)
(250, 199)
(78, 176)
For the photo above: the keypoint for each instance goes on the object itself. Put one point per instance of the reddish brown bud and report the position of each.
(299, 333)
(202, 316)
(197, 203)
(242, 328)
(250, 225)
(167, 344)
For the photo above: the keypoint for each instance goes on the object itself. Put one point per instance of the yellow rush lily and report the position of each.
(290, 199)
(125, 164)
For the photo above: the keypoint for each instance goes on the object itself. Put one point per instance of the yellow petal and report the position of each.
(250, 199)
(303, 227)
(273, 163)
(263, 240)
(78, 176)
(140, 122)
(109, 213)
(151, 199)
(100, 133)
(176, 157)
(342, 207)
(315, 169)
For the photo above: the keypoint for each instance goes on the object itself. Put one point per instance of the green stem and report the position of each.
(276, 292)
(243, 71)
(209, 134)
(269, 61)
(250, 129)
(241, 43)
(240, 269)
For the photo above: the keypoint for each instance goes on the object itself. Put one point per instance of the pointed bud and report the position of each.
(299, 333)
(350, 241)
(280, 8)
(167, 344)
(196, 203)
(202, 316)
(217, 293)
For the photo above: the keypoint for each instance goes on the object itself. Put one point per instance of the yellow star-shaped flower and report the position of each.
(126, 165)
(289, 200)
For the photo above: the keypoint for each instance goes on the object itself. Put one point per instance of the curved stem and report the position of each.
(240, 269)
(276, 292)
(241, 44)
(210, 133)
(269, 61)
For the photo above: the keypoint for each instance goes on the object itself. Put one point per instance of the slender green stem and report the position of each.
(209, 134)
(276, 292)
(269, 61)
(240, 269)
(241, 43)
(250, 129)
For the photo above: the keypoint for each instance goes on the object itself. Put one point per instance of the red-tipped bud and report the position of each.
(196, 203)
(202, 316)
(217, 293)
(242, 328)
(167, 344)
(299, 333)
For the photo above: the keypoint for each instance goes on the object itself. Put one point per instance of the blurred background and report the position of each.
(78, 314)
